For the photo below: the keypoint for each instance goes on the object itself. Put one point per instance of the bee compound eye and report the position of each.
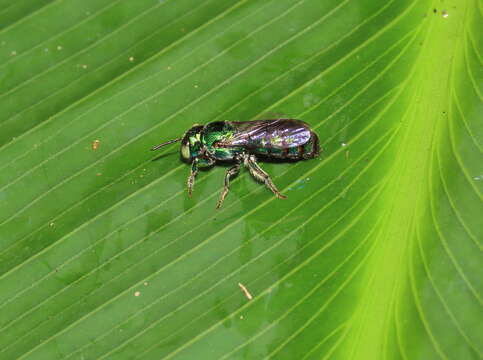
(185, 151)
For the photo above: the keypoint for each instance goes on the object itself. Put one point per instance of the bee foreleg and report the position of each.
(257, 172)
(229, 173)
(191, 178)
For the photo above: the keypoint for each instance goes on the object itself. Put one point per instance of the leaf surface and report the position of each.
(376, 253)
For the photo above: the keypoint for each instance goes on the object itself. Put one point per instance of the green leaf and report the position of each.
(376, 253)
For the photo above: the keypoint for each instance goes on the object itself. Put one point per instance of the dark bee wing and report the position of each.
(279, 133)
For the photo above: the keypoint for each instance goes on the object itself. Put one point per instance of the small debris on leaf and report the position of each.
(137, 293)
(245, 291)
(95, 144)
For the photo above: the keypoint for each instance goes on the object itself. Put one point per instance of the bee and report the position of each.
(241, 143)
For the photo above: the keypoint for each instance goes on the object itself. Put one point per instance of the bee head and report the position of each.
(191, 143)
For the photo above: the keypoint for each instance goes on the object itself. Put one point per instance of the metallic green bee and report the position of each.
(240, 142)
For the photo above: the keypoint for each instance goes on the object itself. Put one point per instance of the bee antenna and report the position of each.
(165, 143)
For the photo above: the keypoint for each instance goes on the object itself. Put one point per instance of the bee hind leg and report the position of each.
(257, 172)
(229, 173)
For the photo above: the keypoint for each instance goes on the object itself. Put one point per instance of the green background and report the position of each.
(376, 253)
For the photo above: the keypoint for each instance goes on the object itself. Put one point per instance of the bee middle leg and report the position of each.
(257, 172)
(229, 173)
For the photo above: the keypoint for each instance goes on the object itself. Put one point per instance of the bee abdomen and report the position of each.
(311, 148)
(306, 151)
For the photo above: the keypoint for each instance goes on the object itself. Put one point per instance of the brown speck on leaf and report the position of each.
(245, 291)
(98, 174)
(95, 144)
(444, 13)
(137, 293)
